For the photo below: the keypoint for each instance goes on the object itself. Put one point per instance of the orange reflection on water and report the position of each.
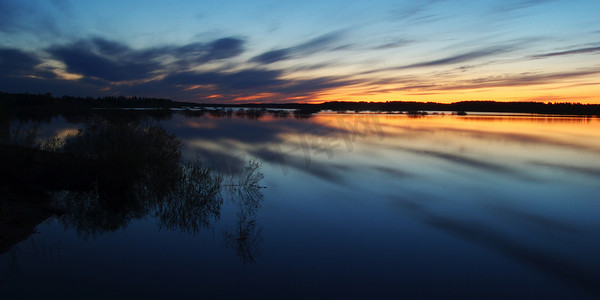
(65, 132)
(567, 130)
(196, 124)
(517, 142)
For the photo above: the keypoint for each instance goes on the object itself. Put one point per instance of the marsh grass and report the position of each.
(248, 176)
(24, 135)
(194, 200)
(246, 237)
(114, 171)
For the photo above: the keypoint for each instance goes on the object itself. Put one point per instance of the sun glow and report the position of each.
(553, 93)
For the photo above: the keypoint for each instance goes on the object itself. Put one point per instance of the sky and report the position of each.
(304, 51)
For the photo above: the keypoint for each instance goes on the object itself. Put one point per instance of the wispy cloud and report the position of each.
(272, 56)
(373, 55)
(166, 71)
(246, 79)
(417, 12)
(114, 61)
(515, 5)
(318, 44)
(15, 62)
(463, 57)
(391, 45)
(82, 61)
(569, 52)
(525, 79)
(450, 60)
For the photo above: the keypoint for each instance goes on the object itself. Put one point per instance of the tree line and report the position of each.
(48, 103)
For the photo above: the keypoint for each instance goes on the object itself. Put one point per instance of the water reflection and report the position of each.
(194, 200)
(514, 185)
(571, 269)
(389, 204)
(122, 169)
(8, 266)
(245, 190)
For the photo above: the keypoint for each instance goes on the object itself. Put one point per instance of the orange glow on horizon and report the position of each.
(556, 93)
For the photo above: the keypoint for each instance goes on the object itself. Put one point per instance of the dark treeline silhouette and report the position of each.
(46, 103)
(49, 103)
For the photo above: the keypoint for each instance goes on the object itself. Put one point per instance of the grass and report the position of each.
(113, 171)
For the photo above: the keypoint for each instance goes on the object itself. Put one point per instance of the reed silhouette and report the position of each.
(116, 170)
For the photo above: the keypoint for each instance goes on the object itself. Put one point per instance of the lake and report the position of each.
(362, 206)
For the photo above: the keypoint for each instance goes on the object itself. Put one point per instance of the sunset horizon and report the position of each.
(264, 51)
(268, 149)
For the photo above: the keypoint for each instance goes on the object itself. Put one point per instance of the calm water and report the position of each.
(354, 206)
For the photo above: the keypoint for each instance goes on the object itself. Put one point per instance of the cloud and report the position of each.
(414, 10)
(114, 67)
(272, 56)
(569, 52)
(245, 79)
(588, 171)
(244, 83)
(199, 53)
(395, 44)
(249, 79)
(307, 87)
(110, 67)
(177, 71)
(14, 62)
(523, 79)
(417, 12)
(107, 47)
(81, 60)
(426, 85)
(115, 61)
(20, 73)
(318, 44)
(56, 86)
(224, 48)
(463, 57)
(450, 60)
(514, 5)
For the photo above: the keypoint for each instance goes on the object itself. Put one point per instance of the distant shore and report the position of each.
(40, 103)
